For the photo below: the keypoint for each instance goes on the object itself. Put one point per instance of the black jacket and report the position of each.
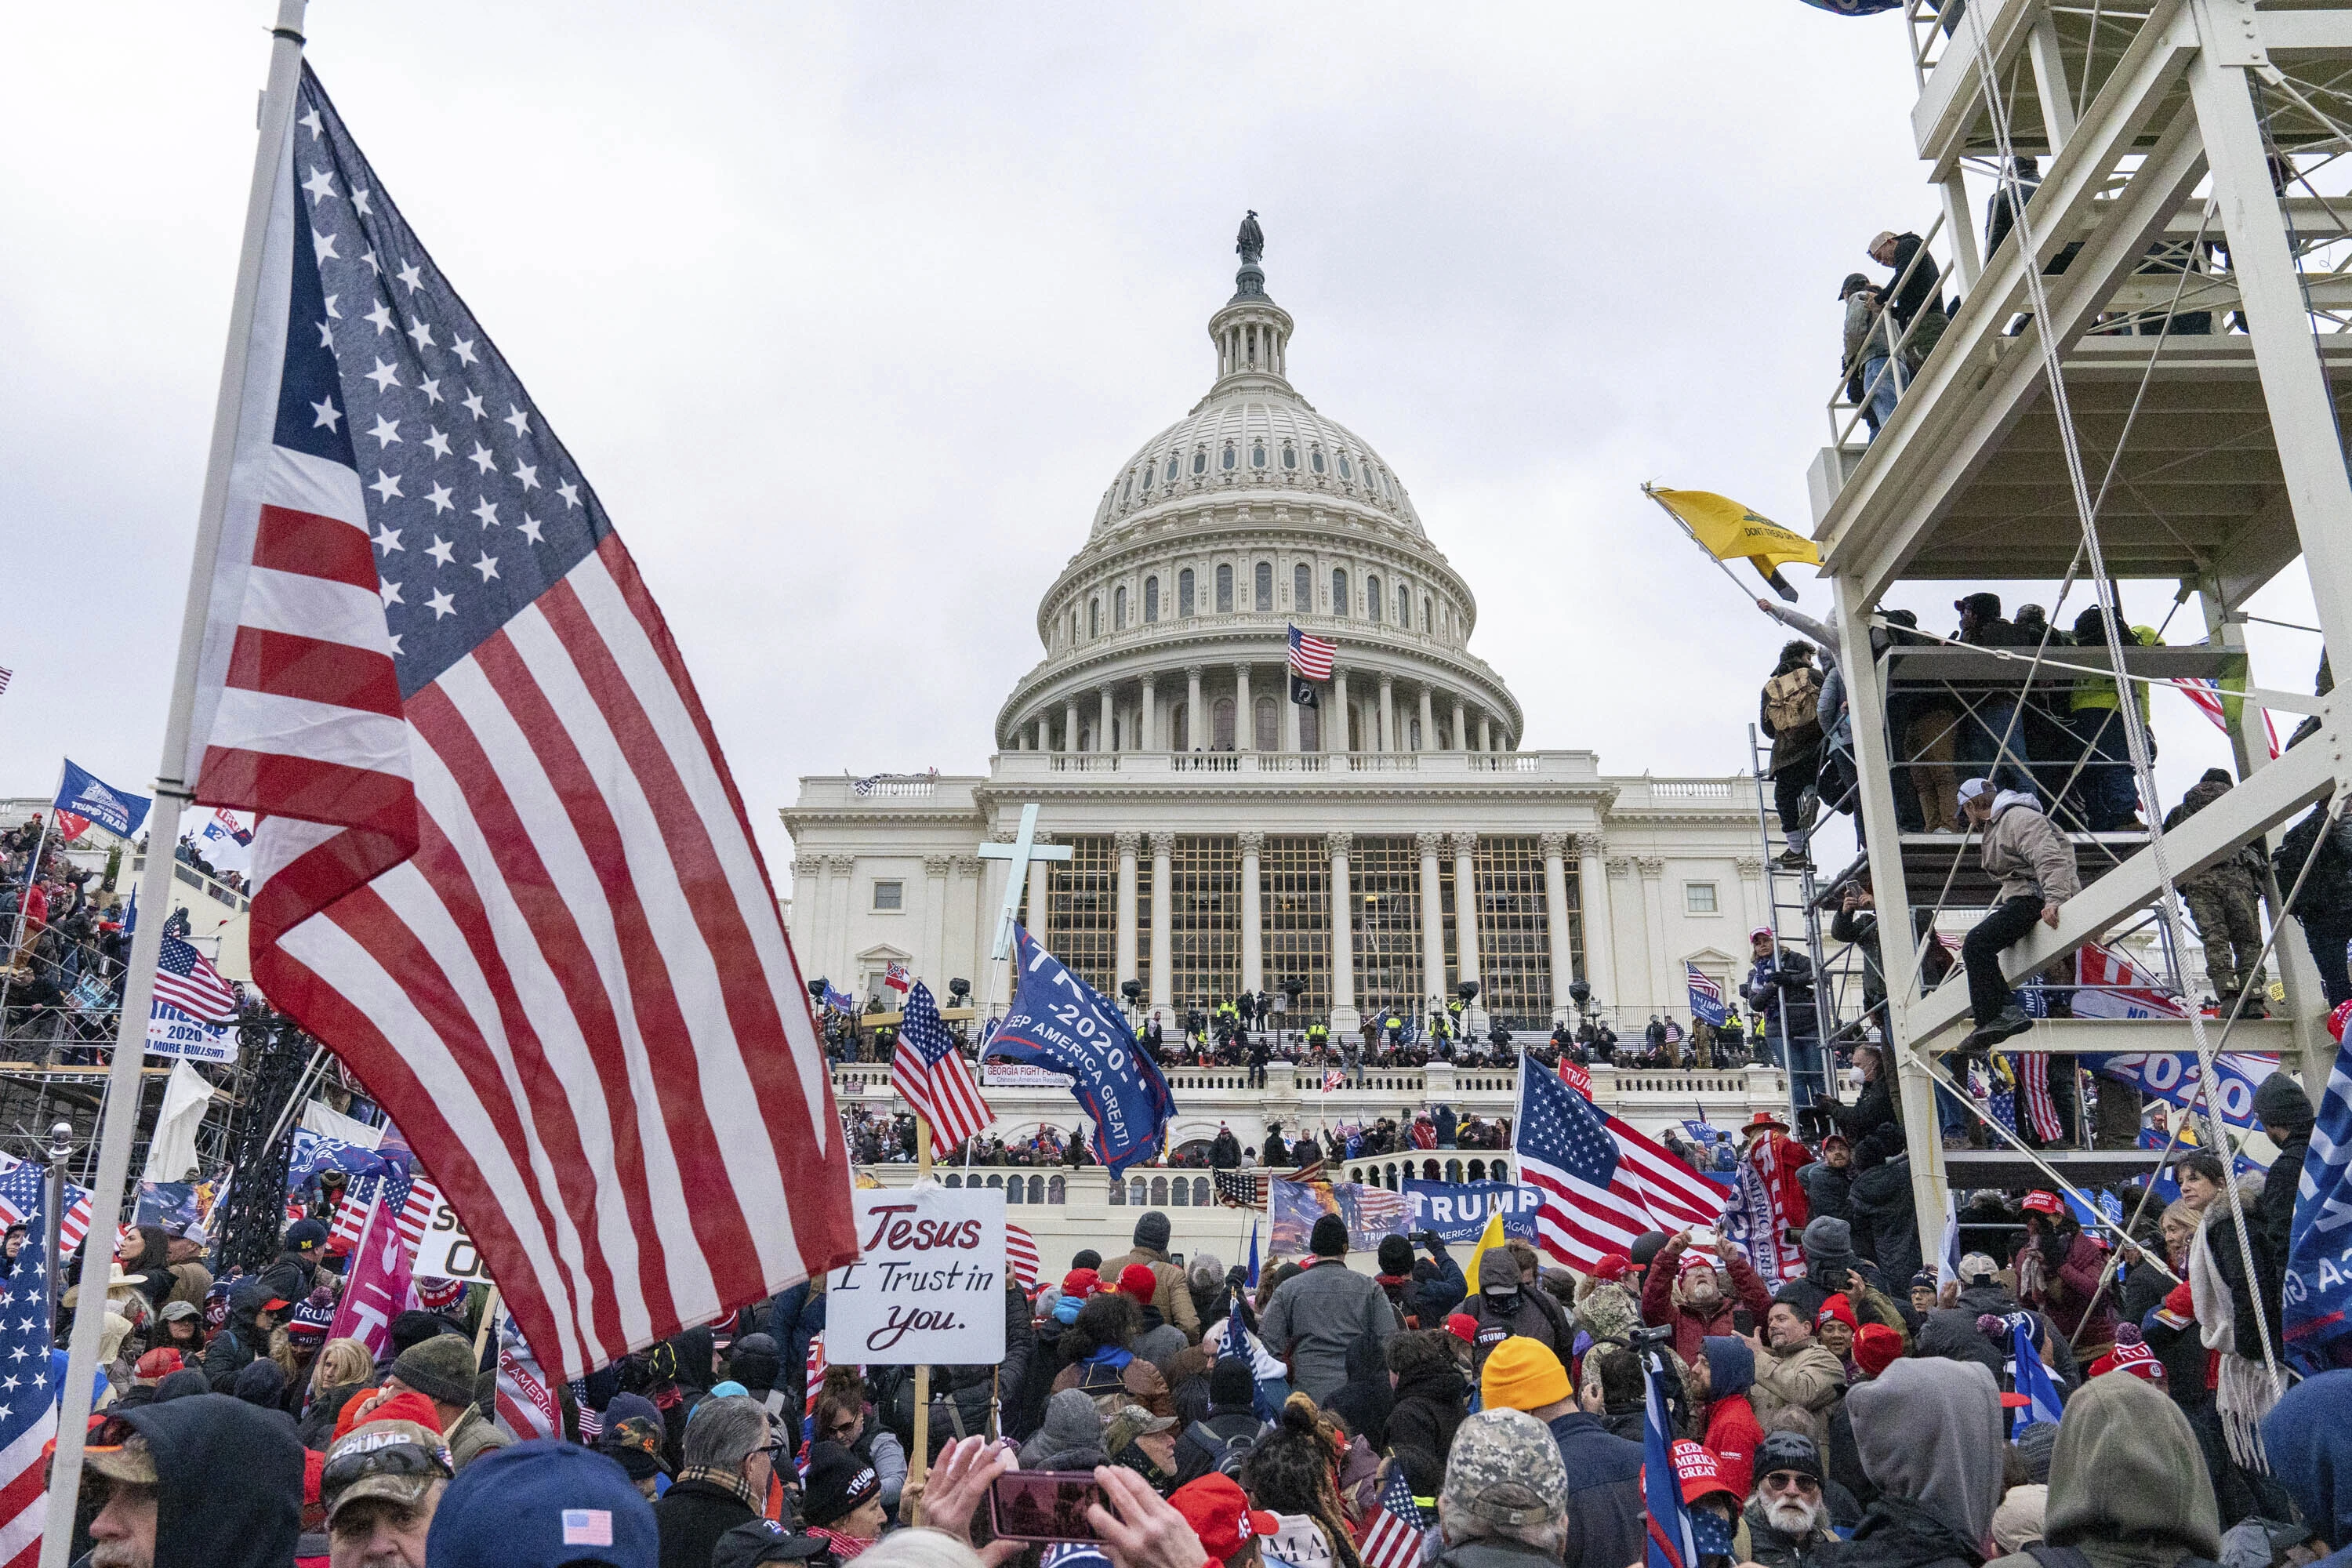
(2326, 893)
(1898, 1534)
(1771, 1549)
(1495, 1553)
(691, 1517)
(1826, 1188)
(1873, 1109)
(1606, 1526)
(1194, 1458)
(229, 1480)
(1429, 1406)
(1885, 1220)
(1919, 288)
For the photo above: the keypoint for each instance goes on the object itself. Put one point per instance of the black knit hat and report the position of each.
(1330, 1236)
(1790, 1452)
(1396, 1255)
(838, 1481)
(1232, 1381)
(1151, 1231)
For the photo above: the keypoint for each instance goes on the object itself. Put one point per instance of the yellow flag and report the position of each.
(1729, 531)
(1489, 1239)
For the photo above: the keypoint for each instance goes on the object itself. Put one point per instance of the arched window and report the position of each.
(1258, 454)
(1372, 596)
(954, 1179)
(1404, 606)
(1151, 600)
(1074, 624)
(1086, 737)
(1057, 1190)
(1315, 459)
(1221, 720)
(1036, 1189)
(1226, 462)
(1094, 618)
(1014, 1190)
(1171, 467)
(1413, 743)
(1136, 1193)
(1477, 1169)
(1200, 1192)
(1200, 460)
(1302, 589)
(1126, 490)
(1119, 608)
(1225, 590)
(1310, 729)
(1269, 729)
(1264, 575)
(1184, 592)
(1182, 1194)
(1428, 622)
(1159, 1192)
(995, 1181)
(1290, 456)
(1338, 591)
(1345, 472)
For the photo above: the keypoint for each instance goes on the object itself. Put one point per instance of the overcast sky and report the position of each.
(850, 314)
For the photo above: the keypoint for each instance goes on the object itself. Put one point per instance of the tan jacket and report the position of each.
(2031, 856)
(473, 1437)
(1803, 1383)
(1173, 1296)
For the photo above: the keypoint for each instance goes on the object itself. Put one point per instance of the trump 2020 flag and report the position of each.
(83, 798)
(1707, 1004)
(2317, 1316)
(1061, 1024)
(501, 867)
(1672, 1544)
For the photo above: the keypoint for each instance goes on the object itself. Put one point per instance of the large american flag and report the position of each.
(24, 1197)
(930, 1074)
(1310, 658)
(1021, 1256)
(27, 1403)
(186, 979)
(1252, 1188)
(502, 868)
(1396, 1536)
(1603, 1182)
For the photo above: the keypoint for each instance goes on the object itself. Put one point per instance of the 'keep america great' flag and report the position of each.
(502, 868)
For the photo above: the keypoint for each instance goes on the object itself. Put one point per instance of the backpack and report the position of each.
(1792, 703)
(1106, 1386)
(1226, 1454)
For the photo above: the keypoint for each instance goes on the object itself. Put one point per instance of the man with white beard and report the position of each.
(1789, 1517)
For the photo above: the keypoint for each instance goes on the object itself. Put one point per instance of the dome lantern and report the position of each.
(1251, 331)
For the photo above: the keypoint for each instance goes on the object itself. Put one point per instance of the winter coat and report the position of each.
(2070, 1288)
(2127, 1485)
(1441, 1294)
(1493, 1552)
(1898, 1534)
(2326, 891)
(229, 1480)
(691, 1517)
(1929, 1433)
(1769, 1548)
(1225, 1424)
(1173, 1296)
(2308, 1437)
(1430, 1406)
(1531, 1314)
(1693, 1324)
(1141, 1378)
(1827, 1189)
(1873, 1109)
(473, 1437)
(1787, 973)
(2031, 857)
(1316, 1318)
(1606, 1526)
(1797, 1382)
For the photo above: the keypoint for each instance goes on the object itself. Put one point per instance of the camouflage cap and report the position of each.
(1609, 1311)
(1505, 1469)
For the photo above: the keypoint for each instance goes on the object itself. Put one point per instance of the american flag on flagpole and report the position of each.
(930, 1074)
(1021, 1256)
(2210, 699)
(24, 1191)
(185, 979)
(501, 866)
(2033, 1082)
(1396, 1537)
(1603, 1182)
(27, 1403)
(1310, 658)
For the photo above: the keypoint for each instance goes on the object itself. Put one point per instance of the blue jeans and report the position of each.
(2109, 794)
(1878, 391)
(1992, 731)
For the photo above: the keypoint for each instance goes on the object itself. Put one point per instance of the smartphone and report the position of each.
(1042, 1505)
(1743, 1320)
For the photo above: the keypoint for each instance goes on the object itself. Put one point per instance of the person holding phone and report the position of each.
(1696, 1292)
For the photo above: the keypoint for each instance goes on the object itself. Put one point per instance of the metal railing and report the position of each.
(1844, 416)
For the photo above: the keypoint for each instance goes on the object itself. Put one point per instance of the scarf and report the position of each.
(844, 1547)
(2245, 1390)
(730, 1479)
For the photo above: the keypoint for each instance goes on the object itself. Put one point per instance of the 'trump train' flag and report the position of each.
(501, 867)
(1061, 1024)
(1603, 1182)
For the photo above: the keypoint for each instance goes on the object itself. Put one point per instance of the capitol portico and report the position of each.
(1379, 848)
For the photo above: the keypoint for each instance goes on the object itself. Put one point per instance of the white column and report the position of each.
(1150, 740)
(1253, 912)
(932, 961)
(1600, 925)
(843, 869)
(1388, 735)
(1657, 991)
(1485, 733)
(1459, 740)
(1432, 919)
(1123, 963)
(1104, 732)
(1044, 733)
(1033, 915)
(1244, 720)
(1163, 949)
(1289, 717)
(1555, 847)
(1070, 725)
(1197, 734)
(1334, 723)
(1344, 1016)
(1428, 723)
(1466, 924)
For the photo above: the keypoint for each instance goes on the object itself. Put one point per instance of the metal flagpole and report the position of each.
(172, 791)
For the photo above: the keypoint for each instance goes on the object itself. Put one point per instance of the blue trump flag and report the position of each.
(1672, 1542)
(118, 811)
(2317, 1316)
(1060, 1023)
(2029, 1377)
(1253, 1262)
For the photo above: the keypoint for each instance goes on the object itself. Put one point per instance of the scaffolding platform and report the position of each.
(2085, 1168)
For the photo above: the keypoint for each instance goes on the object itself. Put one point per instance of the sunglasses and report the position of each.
(393, 1459)
(842, 1428)
(1791, 1480)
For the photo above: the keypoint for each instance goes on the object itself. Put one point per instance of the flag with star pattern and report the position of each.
(29, 1410)
(501, 866)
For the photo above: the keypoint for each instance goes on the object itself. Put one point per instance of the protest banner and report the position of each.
(1370, 1212)
(447, 1252)
(1021, 1075)
(928, 1285)
(171, 1033)
(1457, 1211)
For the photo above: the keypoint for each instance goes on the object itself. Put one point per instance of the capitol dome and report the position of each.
(1168, 630)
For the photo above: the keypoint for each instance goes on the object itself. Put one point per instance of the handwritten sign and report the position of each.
(928, 1284)
(447, 1252)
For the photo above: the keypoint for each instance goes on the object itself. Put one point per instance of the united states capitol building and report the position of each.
(1378, 848)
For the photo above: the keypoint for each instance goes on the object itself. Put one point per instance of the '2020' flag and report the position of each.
(1060, 1023)
(2317, 1316)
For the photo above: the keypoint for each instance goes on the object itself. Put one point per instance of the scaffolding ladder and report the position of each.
(1792, 897)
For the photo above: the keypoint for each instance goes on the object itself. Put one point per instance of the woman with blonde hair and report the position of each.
(343, 1367)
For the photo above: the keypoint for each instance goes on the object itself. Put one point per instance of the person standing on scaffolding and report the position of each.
(1788, 711)
(1780, 987)
(2035, 865)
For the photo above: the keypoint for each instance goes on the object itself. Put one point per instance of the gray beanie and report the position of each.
(2280, 1102)
(441, 1368)
(1829, 1243)
(1151, 1231)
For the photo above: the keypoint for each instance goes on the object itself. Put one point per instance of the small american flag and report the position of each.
(24, 1189)
(1021, 1256)
(1310, 658)
(1603, 1182)
(1397, 1535)
(1573, 1074)
(930, 1074)
(185, 979)
(27, 1409)
(592, 1422)
(898, 978)
(416, 1210)
(1333, 1080)
(4, 674)
(2204, 692)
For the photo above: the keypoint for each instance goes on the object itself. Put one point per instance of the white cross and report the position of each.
(1021, 851)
